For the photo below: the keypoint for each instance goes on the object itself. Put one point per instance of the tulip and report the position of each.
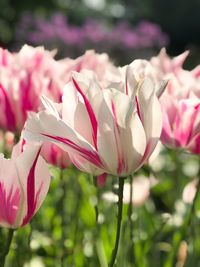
(24, 182)
(112, 130)
(181, 123)
(55, 155)
(24, 76)
(100, 64)
(166, 65)
(180, 102)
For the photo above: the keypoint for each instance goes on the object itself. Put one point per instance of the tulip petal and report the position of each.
(9, 192)
(43, 126)
(151, 115)
(35, 180)
(10, 118)
(120, 134)
(83, 89)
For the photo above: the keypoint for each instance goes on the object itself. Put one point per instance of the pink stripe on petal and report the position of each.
(11, 124)
(31, 196)
(147, 152)
(91, 156)
(115, 116)
(192, 121)
(26, 104)
(23, 143)
(90, 111)
(53, 153)
(138, 108)
(126, 86)
(9, 204)
(183, 133)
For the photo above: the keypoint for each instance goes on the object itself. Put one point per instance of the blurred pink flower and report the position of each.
(32, 72)
(100, 64)
(55, 155)
(180, 102)
(190, 191)
(24, 76)
(166, 65)
(24, 183)
(112, 130)
(181, 123)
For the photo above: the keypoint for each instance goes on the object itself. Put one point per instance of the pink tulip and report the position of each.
(100, 64)
(24, 76)
(55, 155)
(166, 65)
(112, 130)
(189, 191)
(24, 182)
(143, 68)
(181, 123)
(180, 103)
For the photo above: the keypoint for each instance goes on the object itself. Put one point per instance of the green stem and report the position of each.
(130, 221)
(192, 209)
(4, 253)
(63, 224)
(119, 220)
(130, 208)
(96, 205)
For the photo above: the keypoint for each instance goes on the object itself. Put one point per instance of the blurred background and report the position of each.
(124, 29)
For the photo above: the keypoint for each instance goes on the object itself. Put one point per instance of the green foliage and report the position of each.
(65, 232)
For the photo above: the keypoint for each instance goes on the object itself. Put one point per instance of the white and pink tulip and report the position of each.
(105, 130)
(24, 183)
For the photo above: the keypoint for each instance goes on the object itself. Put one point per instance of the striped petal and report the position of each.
(10, 192)
(35, 180)
(120, 134)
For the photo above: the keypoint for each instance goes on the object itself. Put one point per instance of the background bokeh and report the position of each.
(123, 28)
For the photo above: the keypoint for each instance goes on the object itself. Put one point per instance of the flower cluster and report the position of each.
(104, 119)
(125, 116)
(180, 102)
(72, 40)
(24, 76)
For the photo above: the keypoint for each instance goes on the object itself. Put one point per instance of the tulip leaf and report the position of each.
(87, 213)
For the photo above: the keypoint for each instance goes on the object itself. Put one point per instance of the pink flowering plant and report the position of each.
(90, 133)
(180, 103)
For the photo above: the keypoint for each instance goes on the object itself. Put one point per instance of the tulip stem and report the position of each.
(96, 204)
(119, 220)
(63, 223)
(192, 209)
(130, 221)
(4, 253)
(130, 207)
